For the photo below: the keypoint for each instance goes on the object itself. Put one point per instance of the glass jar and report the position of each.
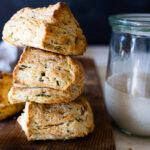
(127, 84)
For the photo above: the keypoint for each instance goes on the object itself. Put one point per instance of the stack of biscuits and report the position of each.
(46, 77)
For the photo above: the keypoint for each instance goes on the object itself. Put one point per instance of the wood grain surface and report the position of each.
(12, 137)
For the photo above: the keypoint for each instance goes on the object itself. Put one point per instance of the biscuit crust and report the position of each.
(51, 28)
(37, 68)
(57, 121)
(43, 95)
(7, 109)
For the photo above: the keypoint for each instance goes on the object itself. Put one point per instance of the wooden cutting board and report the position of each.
(12, 137)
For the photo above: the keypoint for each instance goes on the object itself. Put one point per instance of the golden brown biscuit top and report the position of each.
(53, 14)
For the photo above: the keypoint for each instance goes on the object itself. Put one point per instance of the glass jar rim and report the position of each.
(131, 20)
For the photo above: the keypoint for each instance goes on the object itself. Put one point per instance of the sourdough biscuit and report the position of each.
(7, 109)
(37, 68)
(43, 95)
(53, 29)
(57, 121)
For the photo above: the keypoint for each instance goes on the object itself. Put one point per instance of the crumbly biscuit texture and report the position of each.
(7, 109)
(43, 95)
(57, 121)
(52, 28)
(37, 68)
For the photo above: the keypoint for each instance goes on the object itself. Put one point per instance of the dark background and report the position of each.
(91, 14)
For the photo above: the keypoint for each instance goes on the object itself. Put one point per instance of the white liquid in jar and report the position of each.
(128, 102)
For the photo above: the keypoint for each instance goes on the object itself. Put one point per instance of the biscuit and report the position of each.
(43, 95)
(7, 109)
(53, 29)
(57, 121)
(37, 68)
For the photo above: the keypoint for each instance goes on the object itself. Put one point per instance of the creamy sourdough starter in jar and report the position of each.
(127, 84)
